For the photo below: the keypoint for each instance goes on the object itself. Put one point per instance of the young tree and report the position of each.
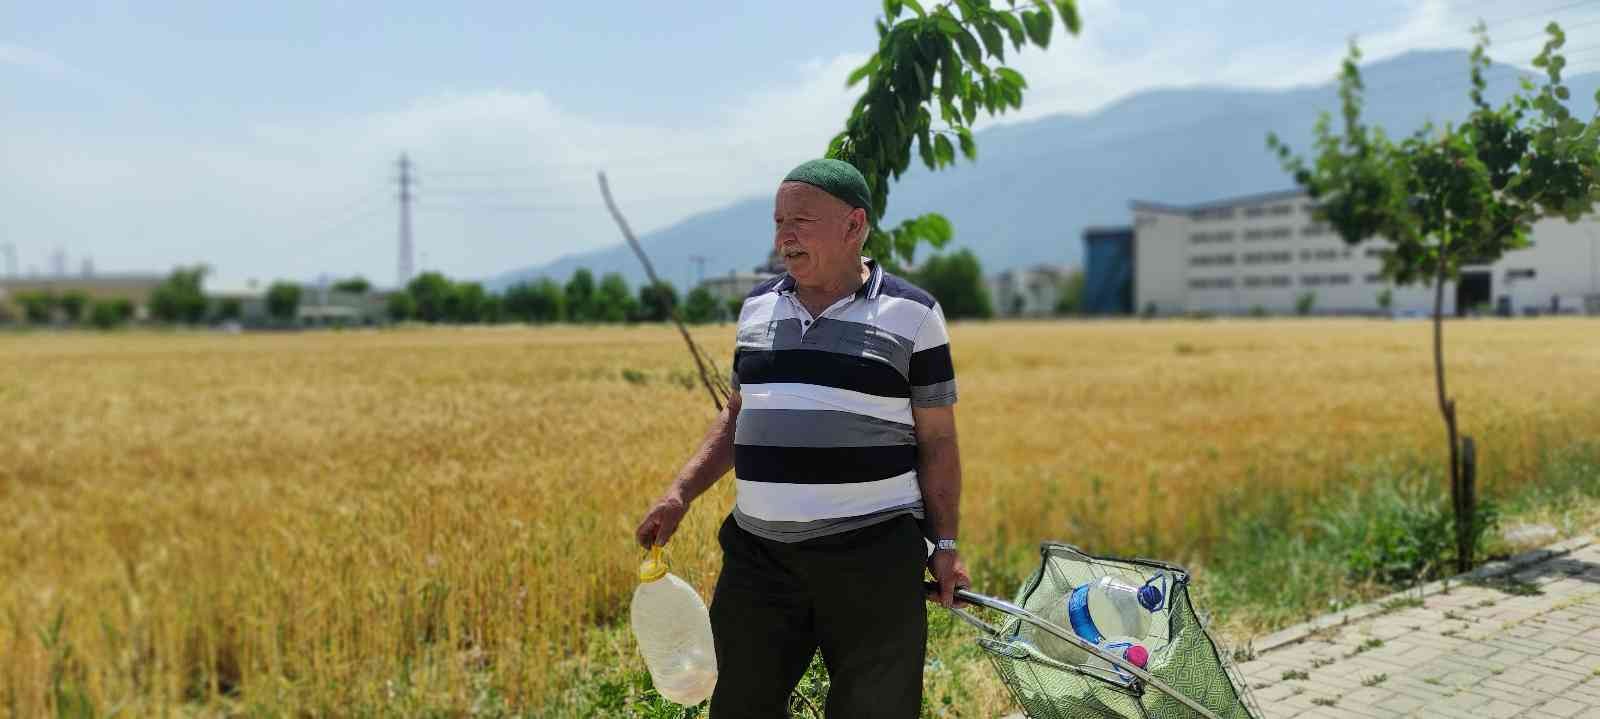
(540, 301)
(949, 60)
(354, 285)
(656, 301)
(614, 301)
(229, 309)
(1304, 302)
(432, 292)
(956, 281)
(468, 303)
(72, 304)
(580, 296)
(401, 306)
(38, 307)
(181, 298)
(283, 301)
(107, 315)
(700, 306)
(1452, 196)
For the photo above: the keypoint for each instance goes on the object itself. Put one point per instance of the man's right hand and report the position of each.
(662, 521)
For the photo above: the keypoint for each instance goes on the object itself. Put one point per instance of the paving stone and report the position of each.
(1474, 652)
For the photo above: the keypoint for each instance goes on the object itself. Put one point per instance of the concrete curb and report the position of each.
(1299, 632)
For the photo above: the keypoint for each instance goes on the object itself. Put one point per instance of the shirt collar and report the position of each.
(869, 289)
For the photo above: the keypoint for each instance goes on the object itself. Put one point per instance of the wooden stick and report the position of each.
(718, 390)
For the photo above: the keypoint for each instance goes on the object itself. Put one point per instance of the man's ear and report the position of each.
(856, 224)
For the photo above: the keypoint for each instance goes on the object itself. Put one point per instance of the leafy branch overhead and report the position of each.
(947, 61)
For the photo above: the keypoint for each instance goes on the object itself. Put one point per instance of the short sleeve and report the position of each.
(733, 372)
(933, 376)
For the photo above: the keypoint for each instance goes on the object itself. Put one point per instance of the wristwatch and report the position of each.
(948, 545)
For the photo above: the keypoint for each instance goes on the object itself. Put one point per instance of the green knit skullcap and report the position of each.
(837, 178)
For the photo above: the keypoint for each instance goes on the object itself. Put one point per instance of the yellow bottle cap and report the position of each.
(653, 567)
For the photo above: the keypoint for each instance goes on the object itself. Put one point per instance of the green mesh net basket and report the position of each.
(1185, 676)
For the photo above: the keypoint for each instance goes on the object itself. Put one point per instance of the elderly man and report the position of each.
(842, 437)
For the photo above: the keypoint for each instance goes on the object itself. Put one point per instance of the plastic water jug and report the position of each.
(1104, 612)
(673, 629)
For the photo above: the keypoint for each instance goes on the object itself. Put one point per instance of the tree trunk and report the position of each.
(1447, 408)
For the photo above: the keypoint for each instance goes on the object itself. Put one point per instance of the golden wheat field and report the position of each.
(301, 522)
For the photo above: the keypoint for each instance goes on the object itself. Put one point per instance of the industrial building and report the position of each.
(1266, 253)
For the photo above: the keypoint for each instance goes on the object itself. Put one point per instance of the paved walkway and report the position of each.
(1519, 640)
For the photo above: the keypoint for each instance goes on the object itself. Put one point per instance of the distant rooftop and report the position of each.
(1213, 204)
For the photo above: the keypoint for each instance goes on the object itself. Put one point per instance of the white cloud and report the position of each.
(31, 59)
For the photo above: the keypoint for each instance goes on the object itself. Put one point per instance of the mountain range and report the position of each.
(1037, 184)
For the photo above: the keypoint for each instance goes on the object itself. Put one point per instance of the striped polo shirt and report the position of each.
(824, 441)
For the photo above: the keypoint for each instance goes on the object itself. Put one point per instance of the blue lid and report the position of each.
(1150, 597)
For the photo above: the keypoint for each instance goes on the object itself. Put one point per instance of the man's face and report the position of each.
(814, 233)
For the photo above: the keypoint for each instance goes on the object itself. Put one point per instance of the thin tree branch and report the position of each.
(715, 387)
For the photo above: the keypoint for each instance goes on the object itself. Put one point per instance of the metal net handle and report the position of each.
(1005, 607)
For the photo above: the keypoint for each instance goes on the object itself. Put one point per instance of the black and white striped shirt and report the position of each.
(825, 440)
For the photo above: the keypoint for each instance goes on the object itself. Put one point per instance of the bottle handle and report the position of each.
(1155, 599)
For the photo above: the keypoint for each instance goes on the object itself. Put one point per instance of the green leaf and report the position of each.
(968, 147)
(947, 25)
(969, 105)
(866, 69)
(943, 151)
(1013, 28)
(1011, 77)
(1039, 25)
(1562, 92)
(891, 9)
(969, 48)
(936, 229)
(925, 148)
(992, 41)
(916, 7)
(950, 75)
(1068, 10)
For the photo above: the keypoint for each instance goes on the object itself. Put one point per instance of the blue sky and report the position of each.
(261, 138)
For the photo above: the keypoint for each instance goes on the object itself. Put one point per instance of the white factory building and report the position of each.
(1265, 253)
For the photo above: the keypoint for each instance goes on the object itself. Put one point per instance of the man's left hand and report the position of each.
(950, 573)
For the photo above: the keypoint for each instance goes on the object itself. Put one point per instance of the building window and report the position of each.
(1374, 278)
(1310, 280)
(1254, 211)
(1275, 233)
(1520, 275)
(1313, 229)
(1215, 213)
(1338, 279)
(1283, 209)
(1258, 258)
(1308, 208)
(1211, 283)
(1202, 238)
(1377, 252)
(1281, 281)
(1210, 260)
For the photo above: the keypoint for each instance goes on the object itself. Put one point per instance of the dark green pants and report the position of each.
(857, 596)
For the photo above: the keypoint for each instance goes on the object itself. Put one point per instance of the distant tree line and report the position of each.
(432, 297)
